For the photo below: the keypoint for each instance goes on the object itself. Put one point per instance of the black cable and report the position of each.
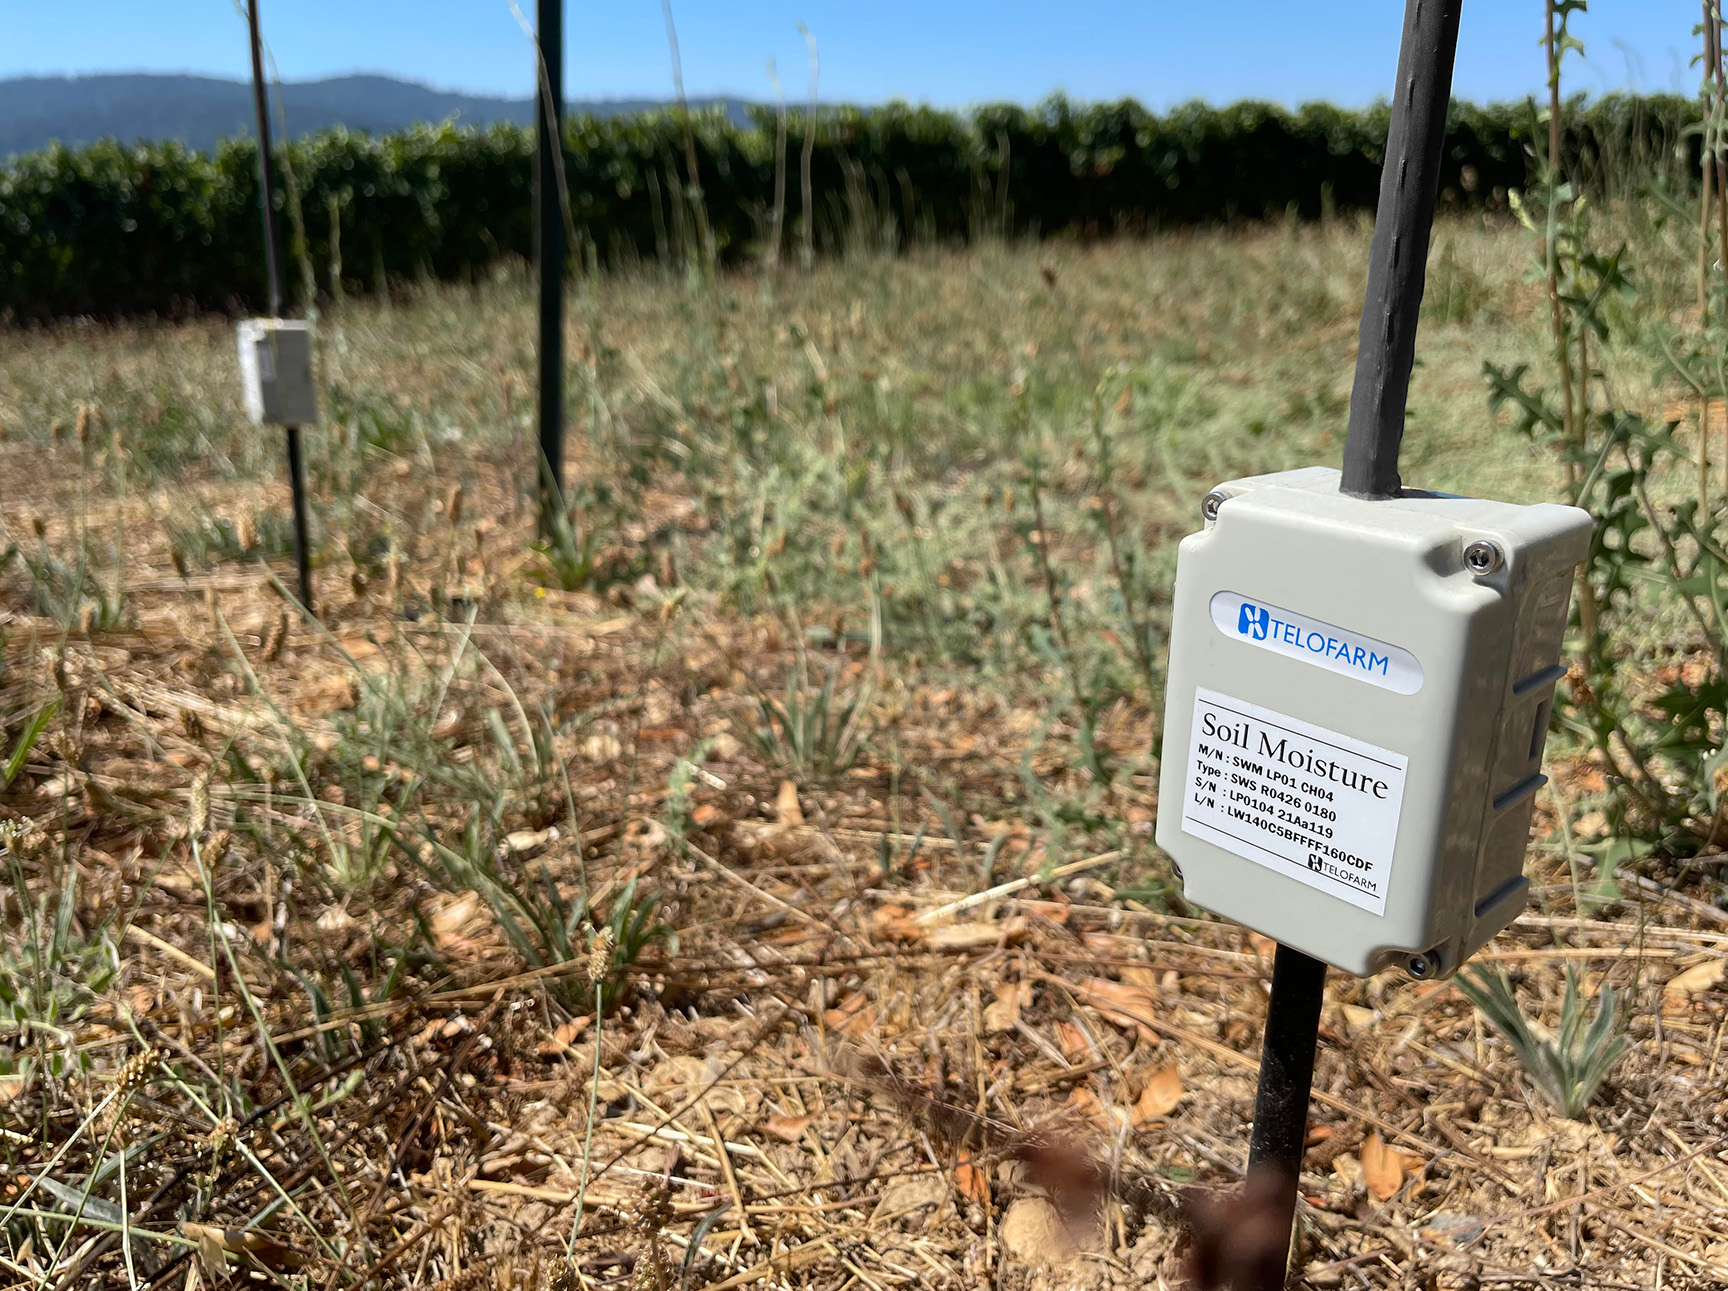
(1399, 257)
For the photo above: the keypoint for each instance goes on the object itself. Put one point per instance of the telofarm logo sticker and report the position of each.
(1254, 620)
(1325, 645)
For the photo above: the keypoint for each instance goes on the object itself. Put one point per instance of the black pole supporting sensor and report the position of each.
(1409, 184)
(273, 271)
(1398, 261)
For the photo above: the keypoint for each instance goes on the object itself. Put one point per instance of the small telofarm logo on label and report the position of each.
(1326, 645)
(1254, 621)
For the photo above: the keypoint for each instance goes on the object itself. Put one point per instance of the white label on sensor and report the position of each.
(1306, 802)
(1324, 645)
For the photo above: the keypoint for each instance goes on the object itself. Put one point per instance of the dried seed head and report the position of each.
(565, 1277)
(136, 1071)
(198, 815)
(453, 505)
(39, 526)
(179, 559)
(276, 638)
(600, 956)
(192, 724)
(223, 1136)
(84, 425)
(217, 848)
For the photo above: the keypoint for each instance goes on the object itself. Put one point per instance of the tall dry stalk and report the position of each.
(698, 206)
(807, 235)
(779, 223)
(1716, 79)
(1572, 424)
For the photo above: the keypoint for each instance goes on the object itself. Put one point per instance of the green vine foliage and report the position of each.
(126, 229)
(1649, 691)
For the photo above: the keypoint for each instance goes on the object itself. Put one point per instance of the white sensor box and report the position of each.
(276, 371)
(1357, 704)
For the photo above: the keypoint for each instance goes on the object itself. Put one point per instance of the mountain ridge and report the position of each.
(199, 111)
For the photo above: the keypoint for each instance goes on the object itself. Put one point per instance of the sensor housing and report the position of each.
(1358, 700)
(276, 371)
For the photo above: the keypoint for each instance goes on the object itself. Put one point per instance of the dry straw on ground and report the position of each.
(896, 1042)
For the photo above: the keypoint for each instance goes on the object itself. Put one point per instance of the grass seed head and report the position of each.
(136, 1071)
(223, 1135)
(198, 815)
(600, 956)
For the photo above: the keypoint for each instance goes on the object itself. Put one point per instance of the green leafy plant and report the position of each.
(813, 730)
(1567, 1066)
(51, 969)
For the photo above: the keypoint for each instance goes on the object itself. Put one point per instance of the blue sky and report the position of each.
(946, 52)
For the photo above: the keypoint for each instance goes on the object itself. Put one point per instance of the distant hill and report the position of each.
(199, 110)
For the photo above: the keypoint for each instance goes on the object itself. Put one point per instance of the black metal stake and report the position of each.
(1287, 1062)
(273, 268)
(1397, 263)
(1398, 260)
(549, 253)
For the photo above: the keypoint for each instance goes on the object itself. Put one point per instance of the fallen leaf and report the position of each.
(850, 1016)
(976, 936)
(787, 813)
(708, 816)
(973, 1183)
(1004, 1011)
(1089, 1105)
(1697, 979)
(268, 1250)
(1163, 1091)
(788, 1129)
(1357, 1016)
(1125, 1005)
(1383, 1167)
(559, 1041)
(1072, 1040)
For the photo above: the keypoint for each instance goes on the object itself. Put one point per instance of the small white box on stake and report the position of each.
(276, 371)
(1357, 705)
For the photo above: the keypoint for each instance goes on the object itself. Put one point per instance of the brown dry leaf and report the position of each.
(1163, 1091)
(1383, 1167)
(976, 936)
(1697, 979)
(788, 1129)
(1089, 1105)
(708, 816)
(1072, 1041)
(787, 813)
(850, 1016)
(895, 922)
(268, 1250)
(1004, 1011)
(559, 1041)
(973, 1183)
(210, 1250)
(1125, 1005)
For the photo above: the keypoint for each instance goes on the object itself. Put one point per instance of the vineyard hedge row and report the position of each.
(111, 230)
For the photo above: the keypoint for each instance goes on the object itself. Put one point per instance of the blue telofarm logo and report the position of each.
(1331, 647)
(1253, 621)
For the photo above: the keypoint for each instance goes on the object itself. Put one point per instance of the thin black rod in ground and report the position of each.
(273, 270)
(1287, 1062)
(1399, 257)
(549, 253)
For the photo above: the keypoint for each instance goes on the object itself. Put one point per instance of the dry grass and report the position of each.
(343, 879)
